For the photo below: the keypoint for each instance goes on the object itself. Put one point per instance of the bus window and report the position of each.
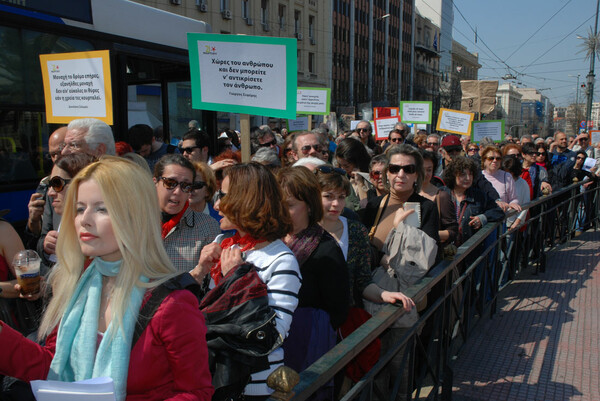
(180, 108)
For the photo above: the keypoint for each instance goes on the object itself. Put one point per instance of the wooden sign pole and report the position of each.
(245, 140)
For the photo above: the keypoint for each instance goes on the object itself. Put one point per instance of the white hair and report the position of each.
(309, 160)
(266, 156)
(96, 132)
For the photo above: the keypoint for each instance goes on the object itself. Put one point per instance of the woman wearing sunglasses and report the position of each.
(110, 258)
(184, 231)
(203, 190)
(65, 168)
(503, 183)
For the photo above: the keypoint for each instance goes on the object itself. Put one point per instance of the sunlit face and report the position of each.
(428, 166)
(561, 140)
(226, 224)
(58, 198)
(579, 159)
(75, 143)
(402, 182)
(464, 180)
(172, 201)
(299, 212)
(376, 176)
(433, 144)
(334, 201)
(93, 225)
(492, 162)
(192, 152)
(308, 145)
(364, 130)
(198, 196)
(346, 165)
(541, 158)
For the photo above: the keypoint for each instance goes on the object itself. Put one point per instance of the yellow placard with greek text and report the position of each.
(77, 85)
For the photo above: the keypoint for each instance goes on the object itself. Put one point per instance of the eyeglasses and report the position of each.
(268, 144)
(375, 174)
(306, 148)
(408, 168)
(492, 158)
(542, 154)
(396, 139)
(171, 184)
(473, 149)
(286, 151)
(198, 185)
(220, 194)
(189, 149)
(76, 145)
(58, 183)
(432, 144)
(533, 153)
(330, 170)
(363, 130)
(581, 158)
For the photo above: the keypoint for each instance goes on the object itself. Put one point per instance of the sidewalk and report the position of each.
(543, 344)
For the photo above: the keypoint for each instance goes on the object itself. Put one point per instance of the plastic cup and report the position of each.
(27, 267)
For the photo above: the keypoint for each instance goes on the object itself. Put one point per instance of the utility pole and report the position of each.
(591, 76)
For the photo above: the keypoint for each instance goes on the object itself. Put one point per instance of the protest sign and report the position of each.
(416, 112)
(594, 136)
(77, 85)
(383, 126)
(243, 74)
(493, 129)
(299, 124)
(313, 101)
(455, 122)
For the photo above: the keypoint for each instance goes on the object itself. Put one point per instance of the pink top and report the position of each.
(504, 184)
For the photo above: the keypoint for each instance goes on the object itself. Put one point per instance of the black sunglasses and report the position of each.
(306, 148)
(189, 149)
(171, 184)
(58, 183)
(268, 144)
(408, 168)
(198, 185)
(329, 170)
(397, 139)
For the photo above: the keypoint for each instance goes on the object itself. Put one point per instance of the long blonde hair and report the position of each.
(130, 198)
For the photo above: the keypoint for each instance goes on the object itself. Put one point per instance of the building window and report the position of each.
(282, 12)
(224, 5)
(264, 12)
(245, 9)
(297, 25)
(298, 53)
(311, 26)
(311, 63)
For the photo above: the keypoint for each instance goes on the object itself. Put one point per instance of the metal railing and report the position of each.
(462, 292)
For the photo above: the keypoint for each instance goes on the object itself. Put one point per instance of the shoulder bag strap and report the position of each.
(382, 205)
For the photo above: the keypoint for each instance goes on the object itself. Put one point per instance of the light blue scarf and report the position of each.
(76, 357)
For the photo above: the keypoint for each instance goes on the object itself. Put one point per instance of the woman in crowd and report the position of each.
(542, 157)
(512, 165)
(473, 207)
(503, 183)
(65, 168)
(10, 244)
(448, 225)
(376, 171)
(352, 156)
(324, 298)
(203, 190)
(251, 202)
(184, 230)
(287, 158)
(90, 321)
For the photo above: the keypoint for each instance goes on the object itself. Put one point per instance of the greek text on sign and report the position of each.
(493, 129)
(383, 126)
(77, 85)
(416, 112)
(313, 101)
(455, 122)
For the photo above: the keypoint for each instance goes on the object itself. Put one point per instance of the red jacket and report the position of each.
(168, 362)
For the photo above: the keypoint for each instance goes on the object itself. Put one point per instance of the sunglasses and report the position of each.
(189, 150)
(473, 149)
(268, 144)
(171, 184)
(363, 130)
(492, 158)
(330, 170)
(58, 183)
(432, 144)
(581, 158)
(376, 174)
(306, 148)
(408, 168)
(542, 154)
(533, 153)
(397, 140)
(198, 185)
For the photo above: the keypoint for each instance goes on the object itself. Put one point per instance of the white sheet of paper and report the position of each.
(589, 163)
(97, 389)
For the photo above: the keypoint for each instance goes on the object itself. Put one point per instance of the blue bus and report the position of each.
(149, 72)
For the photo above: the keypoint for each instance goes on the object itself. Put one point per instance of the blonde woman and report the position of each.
(110, 254)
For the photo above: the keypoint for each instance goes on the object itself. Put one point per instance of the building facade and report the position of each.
(427, 63)
(465, 66)
(537, 112)
(508, 108)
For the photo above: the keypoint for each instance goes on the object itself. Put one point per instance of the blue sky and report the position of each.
(548, 58)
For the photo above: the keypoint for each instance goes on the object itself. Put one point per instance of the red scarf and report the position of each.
(168, 225)
(246, 242)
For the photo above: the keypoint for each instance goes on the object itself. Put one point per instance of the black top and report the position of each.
(325, 281)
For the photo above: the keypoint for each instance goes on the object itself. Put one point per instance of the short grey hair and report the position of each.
(96, 132)
(266, 156)
(436, 136)
(309, 160)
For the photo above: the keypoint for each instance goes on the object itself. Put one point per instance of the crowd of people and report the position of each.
(235, 269)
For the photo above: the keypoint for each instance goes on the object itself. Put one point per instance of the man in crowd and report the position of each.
(307, 144)
(144, 143)
(194, 146)
(451, 147)
(582, 142)
(560, 149)
(263, 137)
(433, 143)
(91, 136)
